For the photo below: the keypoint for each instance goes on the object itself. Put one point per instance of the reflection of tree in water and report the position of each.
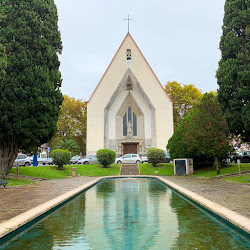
(131, 215)
(197, 230)
(67, 221)
(34, 239)
(61, 226)
(105, 188)
(155, 187)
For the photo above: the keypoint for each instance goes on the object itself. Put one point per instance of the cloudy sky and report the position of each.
(179, 39)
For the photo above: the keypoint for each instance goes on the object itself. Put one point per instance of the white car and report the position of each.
(41, 160)
(90, 159)
(144, 158)
(22, 160)
(129, 158)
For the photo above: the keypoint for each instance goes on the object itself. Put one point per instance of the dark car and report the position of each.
(168, 159)
(244, 156)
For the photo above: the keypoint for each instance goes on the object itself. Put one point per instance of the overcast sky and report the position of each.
(179, 38)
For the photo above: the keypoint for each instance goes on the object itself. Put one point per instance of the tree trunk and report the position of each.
(217, 164)
(8, 154)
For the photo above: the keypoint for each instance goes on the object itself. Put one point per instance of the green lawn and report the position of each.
(233, 168)
(242, 179)
(18, 182)
(161, 169)
(52, 172)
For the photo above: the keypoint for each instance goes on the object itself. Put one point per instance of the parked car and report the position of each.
(244, 156)
(22, 160)
(168, 159)
(75, 159)
(90, 159)
(48, 161)
(40, 160)
(128, 158)
(144, 158)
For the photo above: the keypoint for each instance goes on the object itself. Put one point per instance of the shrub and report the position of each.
(202, 134)
(156, 155)
(105, 157)
(60, 157)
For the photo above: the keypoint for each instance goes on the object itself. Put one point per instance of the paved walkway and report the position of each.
(235, 196)
(16, 200)
(129, 169)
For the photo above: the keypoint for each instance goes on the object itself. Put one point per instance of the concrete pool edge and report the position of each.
(18, 221)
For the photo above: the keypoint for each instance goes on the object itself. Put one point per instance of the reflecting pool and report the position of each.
(128, 214)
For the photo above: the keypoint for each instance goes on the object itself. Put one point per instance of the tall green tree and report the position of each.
(184, 98)
(203, 132)
(29, 93)
(233, 75)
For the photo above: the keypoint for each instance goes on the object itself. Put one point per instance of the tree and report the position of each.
(106, 156)
(29, 93)
(184, 97)
(156, 155)
(68, 144)
(60, 157)
(234, 69)
(72, 121)
(202, 133)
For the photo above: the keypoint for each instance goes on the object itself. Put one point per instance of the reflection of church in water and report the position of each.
(130, 214)
(129, 110)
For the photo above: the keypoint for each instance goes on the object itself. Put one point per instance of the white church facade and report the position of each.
(129, 111)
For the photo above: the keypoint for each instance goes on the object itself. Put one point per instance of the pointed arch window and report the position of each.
(131, 117)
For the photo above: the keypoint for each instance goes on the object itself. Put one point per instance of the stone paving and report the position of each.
(16, 200)
(235, 196)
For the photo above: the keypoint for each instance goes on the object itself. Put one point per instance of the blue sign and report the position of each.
(48, 149)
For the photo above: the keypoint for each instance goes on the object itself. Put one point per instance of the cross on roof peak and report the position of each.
(128, 22)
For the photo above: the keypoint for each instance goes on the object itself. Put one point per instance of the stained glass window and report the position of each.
(134, 125)
(125, 124)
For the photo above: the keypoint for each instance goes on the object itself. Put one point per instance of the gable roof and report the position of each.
(129, 35)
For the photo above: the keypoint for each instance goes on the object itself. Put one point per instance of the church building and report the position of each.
(129, 111)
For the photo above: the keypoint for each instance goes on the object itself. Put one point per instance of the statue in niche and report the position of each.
(129, 86)
(129, 131)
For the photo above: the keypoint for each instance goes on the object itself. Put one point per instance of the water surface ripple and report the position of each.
(128, 214)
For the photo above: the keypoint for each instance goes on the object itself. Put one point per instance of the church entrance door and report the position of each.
(130, 148)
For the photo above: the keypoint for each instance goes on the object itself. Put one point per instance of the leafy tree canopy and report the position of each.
(72, 122)
(233, 74)
(68, 144)
(29, 93)
(202, 133)
(184, 97)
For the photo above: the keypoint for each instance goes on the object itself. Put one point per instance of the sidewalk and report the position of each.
(235, 196)
(16, 200)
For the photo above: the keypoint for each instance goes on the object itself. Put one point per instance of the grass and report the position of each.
(18, 182)
(233, 168)
(52, 172)
(161, 169)
(242, 179)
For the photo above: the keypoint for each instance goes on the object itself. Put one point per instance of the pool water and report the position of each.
(138, 213)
